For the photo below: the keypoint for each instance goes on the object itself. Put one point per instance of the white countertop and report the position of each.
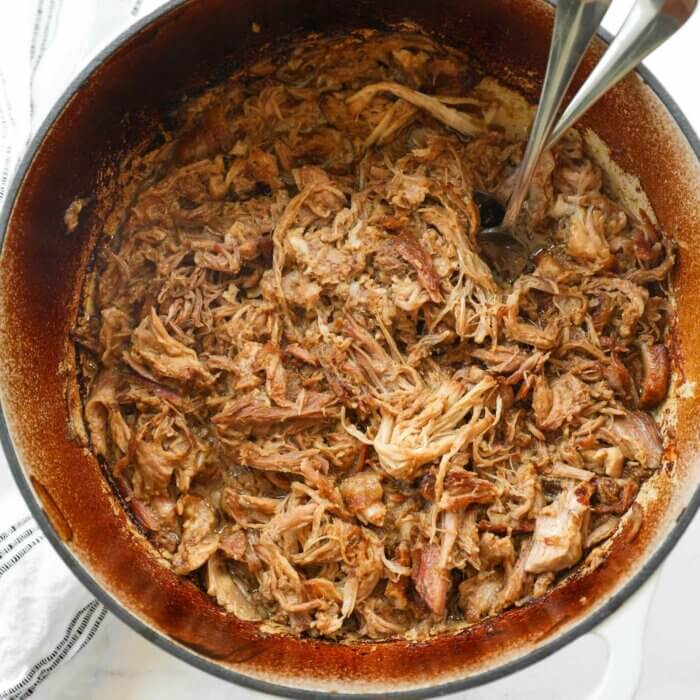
(121, 665)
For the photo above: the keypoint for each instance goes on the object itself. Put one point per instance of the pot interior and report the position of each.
(114, 110)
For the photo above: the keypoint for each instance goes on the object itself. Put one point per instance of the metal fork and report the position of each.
(648, 24)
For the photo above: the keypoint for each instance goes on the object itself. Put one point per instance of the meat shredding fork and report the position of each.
(648, 24)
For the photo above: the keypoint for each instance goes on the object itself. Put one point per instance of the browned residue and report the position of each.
(40, 272)
(53, 512)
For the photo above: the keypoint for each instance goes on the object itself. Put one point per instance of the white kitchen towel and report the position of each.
(46, 615)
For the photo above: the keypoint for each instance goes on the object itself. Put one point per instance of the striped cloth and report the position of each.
(47, 615)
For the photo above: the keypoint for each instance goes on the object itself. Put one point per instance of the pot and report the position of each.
(112, 109)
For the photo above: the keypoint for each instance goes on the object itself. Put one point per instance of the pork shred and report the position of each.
(318, 400)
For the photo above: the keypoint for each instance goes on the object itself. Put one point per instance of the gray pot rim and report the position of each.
(585, 625)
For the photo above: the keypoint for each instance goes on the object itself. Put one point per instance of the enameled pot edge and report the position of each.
(113, 605)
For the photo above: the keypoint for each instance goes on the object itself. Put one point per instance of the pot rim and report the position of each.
(179, 651)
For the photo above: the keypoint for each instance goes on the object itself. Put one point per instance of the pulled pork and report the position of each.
(315, 396)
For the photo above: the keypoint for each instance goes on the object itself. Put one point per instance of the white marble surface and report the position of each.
(120, 665)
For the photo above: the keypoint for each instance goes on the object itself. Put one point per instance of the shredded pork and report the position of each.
(314, 394)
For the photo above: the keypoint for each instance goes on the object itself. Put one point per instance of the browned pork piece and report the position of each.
(560, 531)
(432, 581)
(363, 496)
(657, 374)
(637, 436)
(313, 393)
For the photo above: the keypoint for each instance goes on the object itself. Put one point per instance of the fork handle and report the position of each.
(575, 24)
(648, 24)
